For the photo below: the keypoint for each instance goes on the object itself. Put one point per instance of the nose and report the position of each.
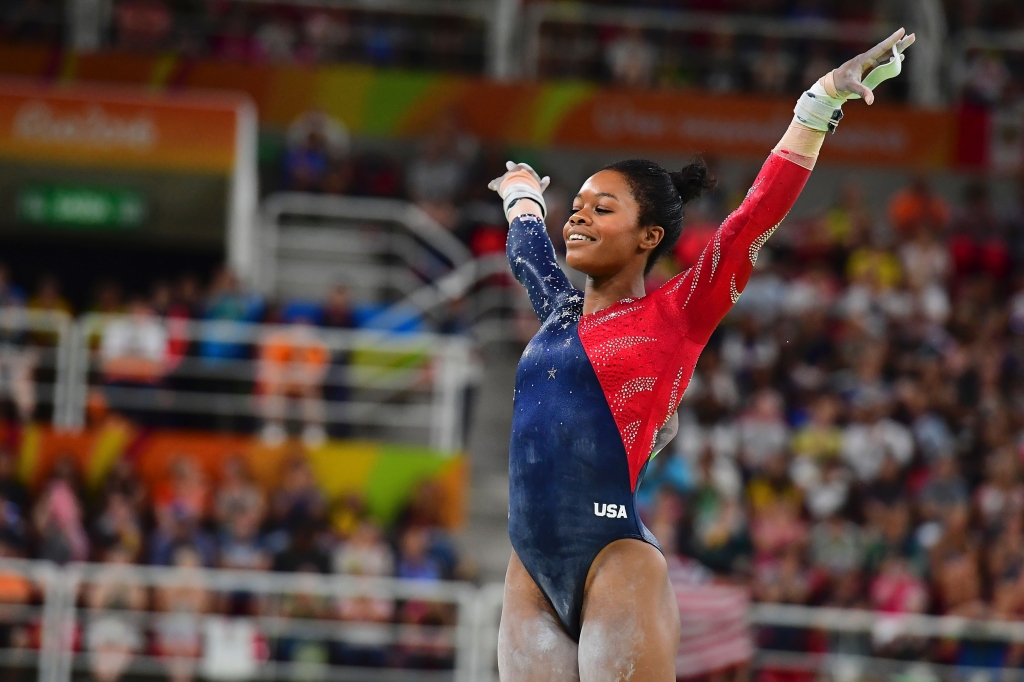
(577, 219)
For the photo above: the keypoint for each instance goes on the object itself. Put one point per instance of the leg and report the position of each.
(630, 617)
(532, 646)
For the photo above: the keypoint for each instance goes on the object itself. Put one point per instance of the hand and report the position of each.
(849, 79)
(519, 174)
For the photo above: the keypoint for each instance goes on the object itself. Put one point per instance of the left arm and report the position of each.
(698, 299)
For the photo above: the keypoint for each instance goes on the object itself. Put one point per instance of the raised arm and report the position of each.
(699, 298)
(530, 251)
(532, 257)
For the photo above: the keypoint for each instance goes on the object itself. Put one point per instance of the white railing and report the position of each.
(183, 612)
(34, 362)
(381, 249)
(407, 387)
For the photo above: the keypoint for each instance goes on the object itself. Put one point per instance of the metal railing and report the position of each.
(249, 625)
(181, 373)
(35, 348)
(381, 249)
(241, 625)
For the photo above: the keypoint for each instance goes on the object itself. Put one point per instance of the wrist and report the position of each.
(522, 206)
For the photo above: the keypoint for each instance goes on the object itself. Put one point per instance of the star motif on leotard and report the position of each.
(548, 278)
(575, 298)
(519, 259)
(551, 373)
(568, 342)
(566, 325)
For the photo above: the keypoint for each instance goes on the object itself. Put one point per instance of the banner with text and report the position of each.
(560, 114)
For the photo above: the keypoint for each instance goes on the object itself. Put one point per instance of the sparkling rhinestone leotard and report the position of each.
(593, 392)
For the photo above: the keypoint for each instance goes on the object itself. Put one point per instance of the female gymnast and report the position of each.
(587, 595)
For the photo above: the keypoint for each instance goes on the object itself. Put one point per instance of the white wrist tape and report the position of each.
(818, 111)
(513, 193)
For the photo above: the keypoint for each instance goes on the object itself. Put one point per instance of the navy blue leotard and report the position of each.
(593, 392)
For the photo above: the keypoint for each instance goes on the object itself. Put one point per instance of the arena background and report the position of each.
(257, 333)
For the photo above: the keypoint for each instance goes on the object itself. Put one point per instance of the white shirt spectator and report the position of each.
(631, 59)
(139, 336)
(865, 446)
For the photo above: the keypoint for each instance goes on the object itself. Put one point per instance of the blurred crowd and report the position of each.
(854, 432)
(641, 58)
(193, 519)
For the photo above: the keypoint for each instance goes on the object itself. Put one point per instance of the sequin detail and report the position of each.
(758, 244)
(696, 276)
(609, 349)
(674, 397)
(630, 432)
(716, 253)
(734, 294)
(630, 389)
(593, 322)
(679, 281)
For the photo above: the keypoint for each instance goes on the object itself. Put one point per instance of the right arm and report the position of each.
(530, 251)
(532, 258)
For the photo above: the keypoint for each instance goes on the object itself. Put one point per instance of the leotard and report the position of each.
(593, 392)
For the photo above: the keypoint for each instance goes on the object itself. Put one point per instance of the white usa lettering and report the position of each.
(610, 511)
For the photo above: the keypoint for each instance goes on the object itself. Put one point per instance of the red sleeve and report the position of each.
(697, 300)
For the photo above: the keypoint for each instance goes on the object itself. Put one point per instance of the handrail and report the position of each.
(474, 635)
(859, 620)
(397, 211)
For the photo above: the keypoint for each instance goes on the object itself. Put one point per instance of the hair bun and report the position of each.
(693, 180)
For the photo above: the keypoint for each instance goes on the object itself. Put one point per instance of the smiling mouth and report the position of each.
(577, 237)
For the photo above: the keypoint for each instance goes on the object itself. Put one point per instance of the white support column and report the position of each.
(86, 21)
(243, 197)
(501, 44)
(927, 19)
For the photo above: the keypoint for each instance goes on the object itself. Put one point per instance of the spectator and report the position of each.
(134, 356)
(631, 59)
(916, 207)
(58, 524)
(298, 503)
(275, 39)
(293, 363)
(944, 490)
(227, 302)
(118, 526)
(316, 159)
(820, 438)
(770, 68)
(365, 553)
(763, 429)
(437, 174)
(143, 24)
(18, 360)
(112, 638)
(179, 626)
(871, 437)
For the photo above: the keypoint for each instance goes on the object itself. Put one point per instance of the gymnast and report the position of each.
(587, 595)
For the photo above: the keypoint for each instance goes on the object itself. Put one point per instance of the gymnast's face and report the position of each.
(602, 236)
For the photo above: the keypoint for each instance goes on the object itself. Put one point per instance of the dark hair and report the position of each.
(661, 196)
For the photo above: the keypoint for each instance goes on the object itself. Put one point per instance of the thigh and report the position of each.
(630, 617)
(532, 645)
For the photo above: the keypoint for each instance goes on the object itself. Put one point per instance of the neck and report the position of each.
(602, 292)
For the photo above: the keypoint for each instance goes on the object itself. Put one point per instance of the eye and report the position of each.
(601, 209)
(577, 209)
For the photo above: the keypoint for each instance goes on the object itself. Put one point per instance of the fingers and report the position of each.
(865, 92)
(885, 46)
(544, 182)
(906, 42)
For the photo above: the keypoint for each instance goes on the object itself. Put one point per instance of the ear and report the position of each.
(651, 236)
